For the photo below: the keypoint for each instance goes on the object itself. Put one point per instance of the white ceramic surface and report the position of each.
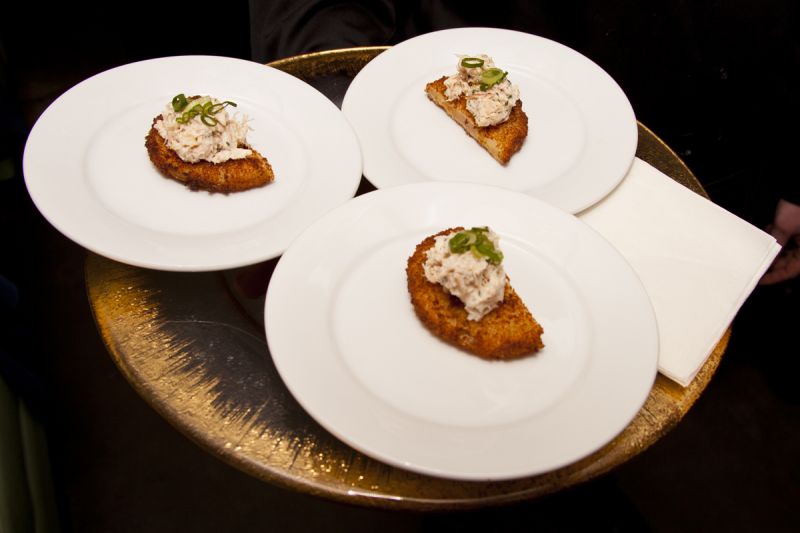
(582, 130)
(345, 339)
(88, 172)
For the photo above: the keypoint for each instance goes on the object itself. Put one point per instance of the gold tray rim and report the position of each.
(666, 405)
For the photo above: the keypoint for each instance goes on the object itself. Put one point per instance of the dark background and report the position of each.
(716, 80)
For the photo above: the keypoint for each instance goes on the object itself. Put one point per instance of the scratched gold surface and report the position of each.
(193, 347)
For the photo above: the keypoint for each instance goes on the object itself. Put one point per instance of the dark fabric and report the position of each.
(20, 362)
(282, 29)
(16, 509)
(717, 80)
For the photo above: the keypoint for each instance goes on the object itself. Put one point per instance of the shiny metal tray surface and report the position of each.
(193, 346)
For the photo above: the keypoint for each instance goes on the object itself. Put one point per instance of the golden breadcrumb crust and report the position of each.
(229, 176)
(501, 140)
(507, 332)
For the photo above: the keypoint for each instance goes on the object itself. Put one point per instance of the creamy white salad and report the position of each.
(469, 275)
(214, 136)
(490, 96)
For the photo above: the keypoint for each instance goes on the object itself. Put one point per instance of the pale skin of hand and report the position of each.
(785, 229)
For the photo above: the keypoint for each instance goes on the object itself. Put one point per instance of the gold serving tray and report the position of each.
(193, 346)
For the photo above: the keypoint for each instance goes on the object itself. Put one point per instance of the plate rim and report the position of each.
(271, 309)
(377, 175)
(253, 250)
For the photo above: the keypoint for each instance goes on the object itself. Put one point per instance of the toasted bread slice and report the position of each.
(507, 332)
(501, 140)
(233, 175)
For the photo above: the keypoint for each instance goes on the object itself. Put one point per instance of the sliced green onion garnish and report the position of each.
(198, 107)
(491, 77)
(477, 242)
(472, 62)
(458, 242)
(487, 250)
(189, 114)
(216, 108)
(462, 241)
(208, 120)
(179, 102)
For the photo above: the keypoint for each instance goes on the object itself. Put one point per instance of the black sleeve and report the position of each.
(782, 91)
(282, 28)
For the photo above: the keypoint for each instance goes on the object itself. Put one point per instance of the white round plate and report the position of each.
(582, 132)
(345, 339)
(88, 172)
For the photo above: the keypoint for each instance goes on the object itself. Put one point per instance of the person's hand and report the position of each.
(786, 230)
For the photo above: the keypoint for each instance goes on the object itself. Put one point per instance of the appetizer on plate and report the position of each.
(195, 141)
(480, 97)
(461, 293)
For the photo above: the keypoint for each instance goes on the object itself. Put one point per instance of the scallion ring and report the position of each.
(472, 62)
(208, 120)
(476, 241)
(179, 102)
(462, 241)
(486, 249)
(216, 108)
(491, 77)
(205, 110)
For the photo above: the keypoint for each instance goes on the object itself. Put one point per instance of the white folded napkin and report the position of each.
(697, 261)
